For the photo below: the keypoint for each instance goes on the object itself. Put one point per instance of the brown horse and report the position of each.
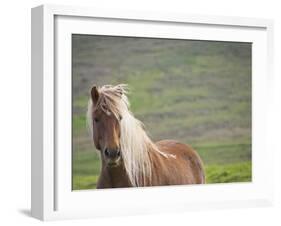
(129, 157)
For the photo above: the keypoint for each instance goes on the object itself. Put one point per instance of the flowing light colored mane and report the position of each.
(135, 144)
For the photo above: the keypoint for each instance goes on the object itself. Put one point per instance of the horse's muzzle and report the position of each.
(112, 154)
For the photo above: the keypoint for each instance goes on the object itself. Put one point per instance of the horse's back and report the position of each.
(185, 158)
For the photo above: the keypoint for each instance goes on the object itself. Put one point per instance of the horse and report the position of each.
(129, 158)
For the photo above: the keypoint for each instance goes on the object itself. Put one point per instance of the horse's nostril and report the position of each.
(106, 152)
(118, 153)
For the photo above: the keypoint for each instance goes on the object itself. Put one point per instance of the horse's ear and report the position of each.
(94, 94)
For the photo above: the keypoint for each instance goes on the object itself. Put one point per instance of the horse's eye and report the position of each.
(96, 119)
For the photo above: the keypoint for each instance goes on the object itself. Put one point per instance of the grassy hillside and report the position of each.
(197, 92)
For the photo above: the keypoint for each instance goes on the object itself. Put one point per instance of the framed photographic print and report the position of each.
(137, 112)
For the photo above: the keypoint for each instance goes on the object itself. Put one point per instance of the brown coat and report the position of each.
(182, 166)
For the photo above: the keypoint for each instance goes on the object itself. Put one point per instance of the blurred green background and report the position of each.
(197, 92)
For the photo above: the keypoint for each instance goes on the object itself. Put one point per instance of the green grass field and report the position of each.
(197, 92)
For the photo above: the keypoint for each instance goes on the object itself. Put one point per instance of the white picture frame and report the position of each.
(52, 197)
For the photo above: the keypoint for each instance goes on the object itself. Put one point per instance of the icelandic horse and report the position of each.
(129, 158)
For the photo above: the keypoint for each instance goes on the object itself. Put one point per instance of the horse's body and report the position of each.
(177, 164)
(129, 158)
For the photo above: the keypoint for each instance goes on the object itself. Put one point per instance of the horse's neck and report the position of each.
(115, 177)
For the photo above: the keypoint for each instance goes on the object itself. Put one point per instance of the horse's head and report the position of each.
(105, 123)
(117, 134)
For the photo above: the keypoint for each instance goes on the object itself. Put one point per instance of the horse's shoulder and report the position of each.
(183, 154)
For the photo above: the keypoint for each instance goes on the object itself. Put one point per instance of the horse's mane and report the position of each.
(135, 144)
